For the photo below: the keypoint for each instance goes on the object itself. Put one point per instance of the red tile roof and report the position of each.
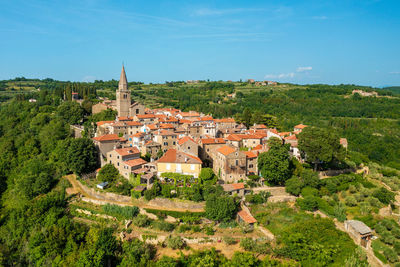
(167, 126)
(184, 140)
(300, 126)
(99, 123)
(226, 120)
(146, 116)
(135, 162)
(166, 132)
(245, 216)
(174, 156)
(125, 118)
(284, 134)
(250, 154)
(152, 126)
(133, 123)
(108, 137)
(127, 151)
(292, 137)
(226, 150)
(209, 141)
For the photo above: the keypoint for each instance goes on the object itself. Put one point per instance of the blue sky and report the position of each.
(302, 41)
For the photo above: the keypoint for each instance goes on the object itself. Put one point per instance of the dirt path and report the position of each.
(99, 198)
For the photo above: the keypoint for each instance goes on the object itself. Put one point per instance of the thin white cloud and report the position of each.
(395, 72)
(303, 69)
(219, 12)
(280, 76)
(320, 17)
(88, 79)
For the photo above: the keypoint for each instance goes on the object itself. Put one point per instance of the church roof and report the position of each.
(123, 82)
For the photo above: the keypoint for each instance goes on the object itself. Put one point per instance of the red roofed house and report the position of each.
(251, 163)
(229, 163)
(146, 118)
(188, 145)
(233, 189)
(125, 160)
(179, 162)
(246, 217)
(106, 143)
(299, 127)
(207, 147)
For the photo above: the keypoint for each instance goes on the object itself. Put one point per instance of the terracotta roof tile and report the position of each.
(184, 140)
(127, 151)
(226, 150)
(135, 162)
(174, 156)
(99, 123)
(248, 218)
(250, 154)
(300, 126)
(208, 141)
(108, 137)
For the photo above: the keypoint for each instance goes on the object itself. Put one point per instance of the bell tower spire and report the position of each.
(123, 82)
(123, 95)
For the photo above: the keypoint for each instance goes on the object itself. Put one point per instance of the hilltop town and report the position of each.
(179, 142)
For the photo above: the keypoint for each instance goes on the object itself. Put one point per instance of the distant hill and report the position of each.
(393, 89)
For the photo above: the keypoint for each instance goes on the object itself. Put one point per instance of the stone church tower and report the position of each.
(123, 96)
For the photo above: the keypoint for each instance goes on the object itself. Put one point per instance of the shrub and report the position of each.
(126, 212)
(309, 203)
(310, 178)
(339, 212)
(141, 220)
(108, 173)
(350, 201)
(387, 238)
(209, 230)
(309, 191)
(248, 244)
(384, 195)
(229, 240)
(163, 226)
(293, 186)
(183, 228)
(175, 242)
(390, 254)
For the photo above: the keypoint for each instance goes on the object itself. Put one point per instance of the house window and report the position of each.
(168, 166)
(117, 163)
(192, 167)
(137, 111)
(188, 147)
(251, 166)
(174, 143)
(117, 157)
(237, 162)
(125, 96)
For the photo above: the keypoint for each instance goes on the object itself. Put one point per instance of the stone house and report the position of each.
(359, 231)
(251, 163)
(229, 163)
(151, 148)
(167, 139)
(207, 147)
(188, 145)
(233, 189)
(125, 160)
(108, 142)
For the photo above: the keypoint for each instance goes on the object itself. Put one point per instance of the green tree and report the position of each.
(71, 112)
(275, 164)
(108, 173)
(81, 156)
(207, 176)
(320, 146)
(220, 208)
